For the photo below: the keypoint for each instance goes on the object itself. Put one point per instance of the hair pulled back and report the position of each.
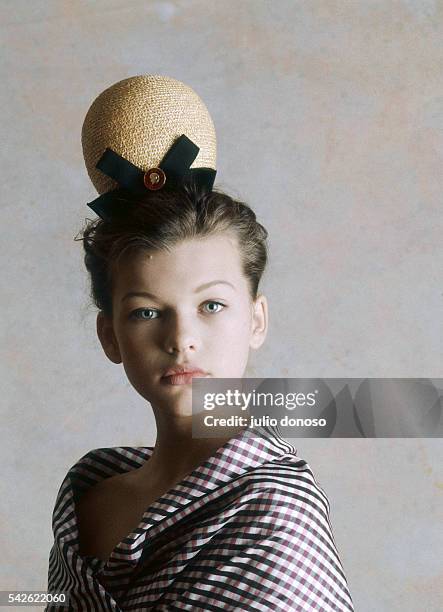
(161, 219)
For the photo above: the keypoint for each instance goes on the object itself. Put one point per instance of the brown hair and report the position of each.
(164, 218)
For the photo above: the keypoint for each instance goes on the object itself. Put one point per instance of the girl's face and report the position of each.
(187, 307)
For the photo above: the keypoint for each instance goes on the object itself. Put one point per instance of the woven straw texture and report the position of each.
(140, 118)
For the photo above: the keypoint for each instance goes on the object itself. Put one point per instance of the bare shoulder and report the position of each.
(96, 494)
(94, 498)
(109, 511)
(96, 511)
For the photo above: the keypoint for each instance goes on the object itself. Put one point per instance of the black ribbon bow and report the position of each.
(175, 166)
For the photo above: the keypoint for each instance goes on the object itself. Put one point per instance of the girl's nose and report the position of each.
(180, 336)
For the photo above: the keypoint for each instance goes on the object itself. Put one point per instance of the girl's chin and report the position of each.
(174, 397)
(176, 410)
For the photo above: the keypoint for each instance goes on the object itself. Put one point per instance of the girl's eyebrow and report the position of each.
(216, 282)
(154, 297)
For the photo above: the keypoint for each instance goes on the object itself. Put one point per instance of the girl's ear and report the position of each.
(259, 324)
(105, 332)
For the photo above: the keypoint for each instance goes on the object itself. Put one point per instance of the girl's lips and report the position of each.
(185, 378)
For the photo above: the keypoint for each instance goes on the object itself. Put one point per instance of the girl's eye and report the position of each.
(147, 314)
(214, 307)
(138, 314)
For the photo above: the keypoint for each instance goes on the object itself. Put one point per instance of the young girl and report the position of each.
(226, 523)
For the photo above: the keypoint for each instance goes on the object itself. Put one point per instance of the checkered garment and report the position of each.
(248, 529)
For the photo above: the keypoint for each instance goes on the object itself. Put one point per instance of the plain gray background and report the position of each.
(330, 124)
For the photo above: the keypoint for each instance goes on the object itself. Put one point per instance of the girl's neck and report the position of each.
(177, 452)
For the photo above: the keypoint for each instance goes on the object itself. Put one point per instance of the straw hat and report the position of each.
(139, 119)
